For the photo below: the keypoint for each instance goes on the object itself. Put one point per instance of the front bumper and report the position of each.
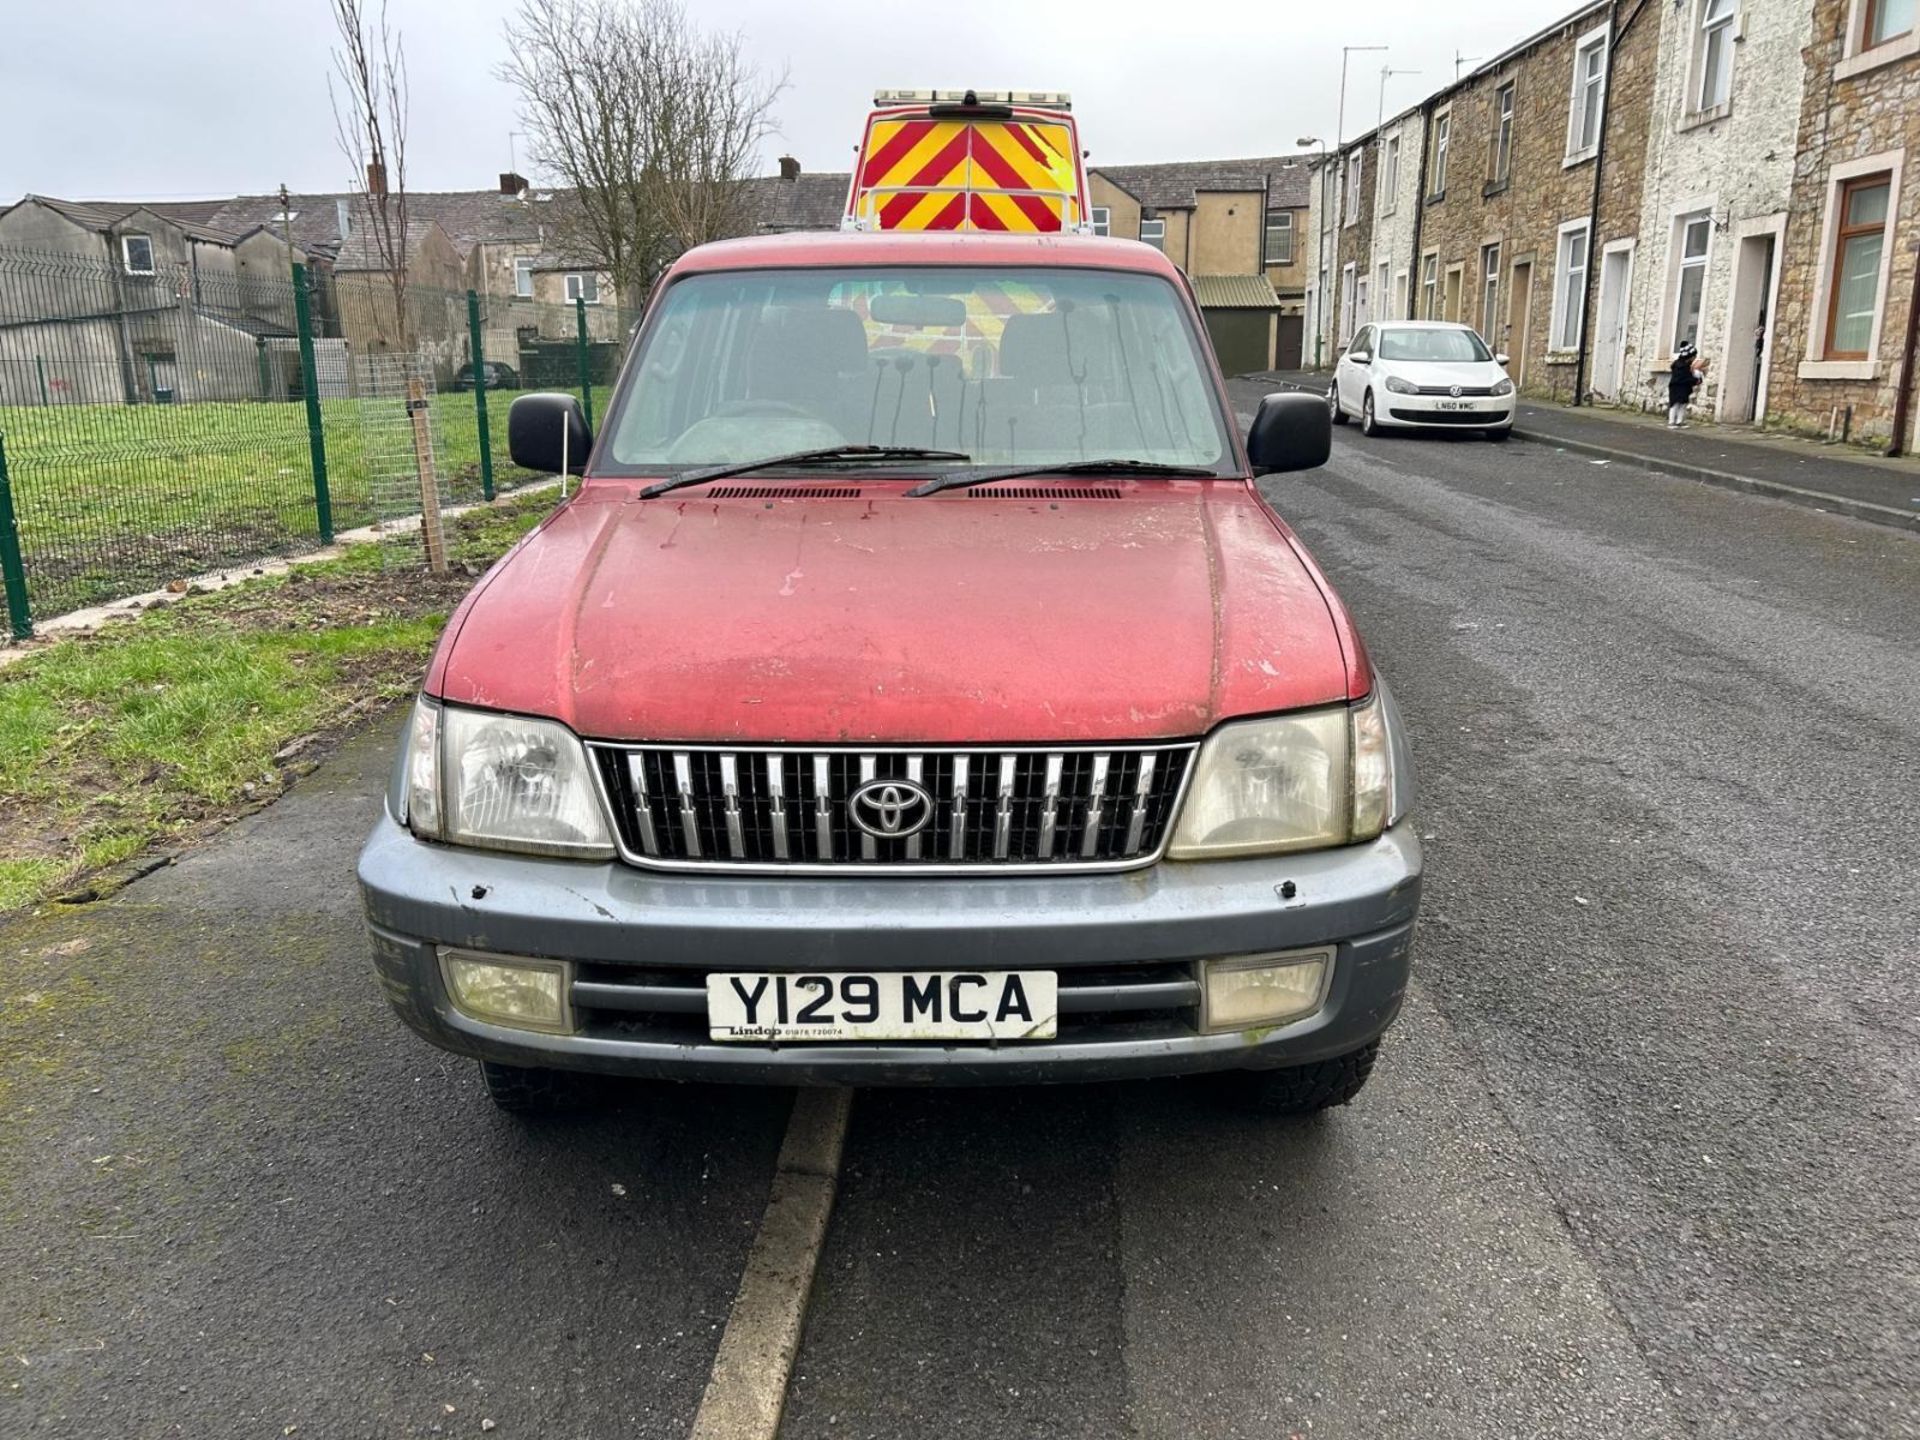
(1123, 945)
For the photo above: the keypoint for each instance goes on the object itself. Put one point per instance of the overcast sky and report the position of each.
(187, 98)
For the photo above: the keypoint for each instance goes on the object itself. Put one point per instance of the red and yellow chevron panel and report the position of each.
(922, 172)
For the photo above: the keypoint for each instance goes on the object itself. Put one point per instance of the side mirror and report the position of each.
(1292, 431)
(1360, 357)
(1500, 358)
(544, 428)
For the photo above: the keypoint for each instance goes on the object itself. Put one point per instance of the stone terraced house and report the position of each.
(1731, 174)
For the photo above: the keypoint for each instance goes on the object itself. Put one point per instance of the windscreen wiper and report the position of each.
(826, 456)
(958, 478)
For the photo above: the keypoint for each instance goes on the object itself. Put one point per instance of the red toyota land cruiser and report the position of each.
(917, 689)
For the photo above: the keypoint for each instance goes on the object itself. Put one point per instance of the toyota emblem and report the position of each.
(1455, 392)
(891, 809)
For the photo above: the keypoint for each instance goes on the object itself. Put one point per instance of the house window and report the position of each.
(523, 278)
(1853, 286)
(1381, 280)
(1502, 135)
(1362, 311)
(1489, 292)
(1346, 303)
(1154, 233)
(583, 287)
(1690, 293)
(1279, 237)
(136, 253)
(1429, 285)
(1442, 135)
(1356, 175)
(1102, 220)
(1886, 20)
(1389, 174)
(1400, 296)
(1570, 286)
(1715, 62)
(1589, 83)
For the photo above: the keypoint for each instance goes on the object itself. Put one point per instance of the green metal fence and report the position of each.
(196, 416)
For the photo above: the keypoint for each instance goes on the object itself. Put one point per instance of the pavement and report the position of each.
(1642, 1157)
(1794, 468)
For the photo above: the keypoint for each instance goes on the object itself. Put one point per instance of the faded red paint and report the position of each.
(888, 619)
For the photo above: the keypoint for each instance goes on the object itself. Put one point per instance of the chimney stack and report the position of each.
(789, 168)
(512, 184)
(376, 178)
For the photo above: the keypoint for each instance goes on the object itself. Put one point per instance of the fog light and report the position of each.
(1248, 990)
(526, 994)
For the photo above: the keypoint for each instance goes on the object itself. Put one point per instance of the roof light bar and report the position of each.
(1040, 99)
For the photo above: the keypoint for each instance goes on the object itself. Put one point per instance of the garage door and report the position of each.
(1239, 339)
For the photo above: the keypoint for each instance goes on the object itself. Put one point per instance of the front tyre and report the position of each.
(1369, 424)
(1306, 1089)
(524, 1090)
(1333, 404)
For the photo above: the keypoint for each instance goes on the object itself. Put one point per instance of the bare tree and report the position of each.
(653, 123)
(371, 66)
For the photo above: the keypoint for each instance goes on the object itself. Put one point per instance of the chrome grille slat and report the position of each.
(1137, 816)
(1030, 809)
(689, 821)
(643, 809)
(730, 794)
(1096, 794)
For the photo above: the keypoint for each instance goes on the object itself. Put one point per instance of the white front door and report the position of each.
(1610, 331)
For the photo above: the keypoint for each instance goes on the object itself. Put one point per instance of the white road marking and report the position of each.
(747, 1389)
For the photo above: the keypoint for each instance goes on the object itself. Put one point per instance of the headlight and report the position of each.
(1503, 387)
(1402, 387)
(1291, 782)
(502, 782)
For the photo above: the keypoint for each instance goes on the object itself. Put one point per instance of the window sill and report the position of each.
(1437, 197)
(1579, 157)
(1562, 357)
(1495, 187)
(1898, 48)
(1698, 119)
(1839, 369)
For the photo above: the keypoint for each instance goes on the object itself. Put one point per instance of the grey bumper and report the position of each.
(1123, 945)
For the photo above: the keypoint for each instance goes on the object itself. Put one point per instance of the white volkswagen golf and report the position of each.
(1410, 373)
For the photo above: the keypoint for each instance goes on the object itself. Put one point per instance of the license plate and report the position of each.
(1453, 405)
(884, 1005)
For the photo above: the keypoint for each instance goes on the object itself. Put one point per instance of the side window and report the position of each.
(1363, 342)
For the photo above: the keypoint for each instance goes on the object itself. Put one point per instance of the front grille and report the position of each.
(1465, 392)
(1064, 808)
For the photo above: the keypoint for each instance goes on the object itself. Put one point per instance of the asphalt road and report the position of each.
(1640, 1159)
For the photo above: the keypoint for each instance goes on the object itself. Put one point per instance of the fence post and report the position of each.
(40, 368)
(310, 383)
(11, 569)
(586, 370)
(479, 373)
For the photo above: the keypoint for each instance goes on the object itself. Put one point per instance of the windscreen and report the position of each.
(1007, 366)
(1434, 346)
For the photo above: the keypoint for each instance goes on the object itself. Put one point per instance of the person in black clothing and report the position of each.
(1683, 379)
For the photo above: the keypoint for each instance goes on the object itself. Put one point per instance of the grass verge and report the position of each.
(155, 731)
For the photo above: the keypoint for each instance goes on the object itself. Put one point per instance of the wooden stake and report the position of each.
(430, 527)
